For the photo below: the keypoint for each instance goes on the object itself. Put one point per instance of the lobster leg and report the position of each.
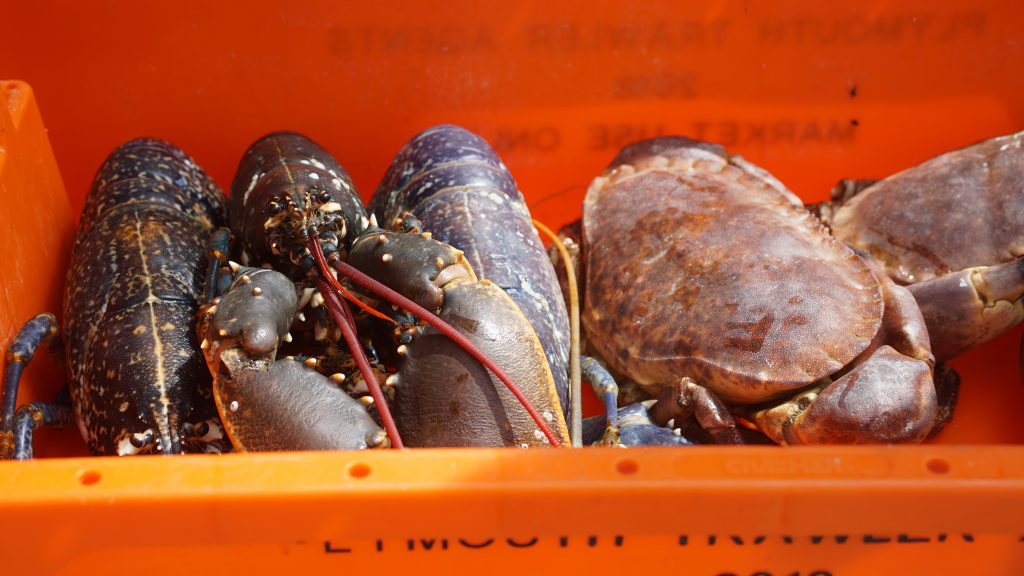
(216, 282)
(34, 415)
(41, 329)
(607, 390)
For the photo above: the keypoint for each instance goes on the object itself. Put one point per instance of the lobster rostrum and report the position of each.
(136, 384)
(295, 209)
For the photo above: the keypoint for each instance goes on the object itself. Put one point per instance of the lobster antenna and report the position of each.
(326, 273)
(575, 377)
(343, 318)
(385, 293)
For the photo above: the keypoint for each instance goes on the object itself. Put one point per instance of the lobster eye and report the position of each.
(325, 196)
(275, 208)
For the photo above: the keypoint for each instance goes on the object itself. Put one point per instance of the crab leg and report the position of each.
(684, 399)
(966, 308)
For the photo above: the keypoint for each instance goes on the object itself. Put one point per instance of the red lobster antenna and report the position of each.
(385, 293)
(343, 318)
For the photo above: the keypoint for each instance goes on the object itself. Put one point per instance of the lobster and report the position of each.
(455, 186)
(294, 209)
(136, 383)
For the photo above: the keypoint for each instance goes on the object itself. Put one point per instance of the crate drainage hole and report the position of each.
(937, 465)
(89, 477)
(626, 467)
(359, 470)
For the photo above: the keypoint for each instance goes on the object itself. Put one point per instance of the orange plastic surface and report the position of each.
(813, 93)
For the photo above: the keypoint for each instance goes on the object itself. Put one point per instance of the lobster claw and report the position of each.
(443, 396)
(266, 403)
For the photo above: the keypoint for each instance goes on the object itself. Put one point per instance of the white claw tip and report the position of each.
(222, 332)
(391, 380)
(426, 235)
(204, 344)
(382, 238)
(311, 362)
(301, 317)
(387, 257)
(366, 400)
(233, 406)
(245, 279)
(440, 263)
(338, 377)
(678, 431)
(257, 291)
(403, 350)
(212, 310)
(373, 220)
(672, 423)
(234, 266)
(288, 337)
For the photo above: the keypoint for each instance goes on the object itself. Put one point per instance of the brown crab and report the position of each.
(708, 284)
(952, 230)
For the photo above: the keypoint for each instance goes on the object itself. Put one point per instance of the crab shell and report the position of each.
(916, 222)
(700, 264)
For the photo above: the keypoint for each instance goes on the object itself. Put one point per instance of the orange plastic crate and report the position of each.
(811, 93)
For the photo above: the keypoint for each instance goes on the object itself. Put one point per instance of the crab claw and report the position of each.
(887, 399)
(969, 307)
(887, 396)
